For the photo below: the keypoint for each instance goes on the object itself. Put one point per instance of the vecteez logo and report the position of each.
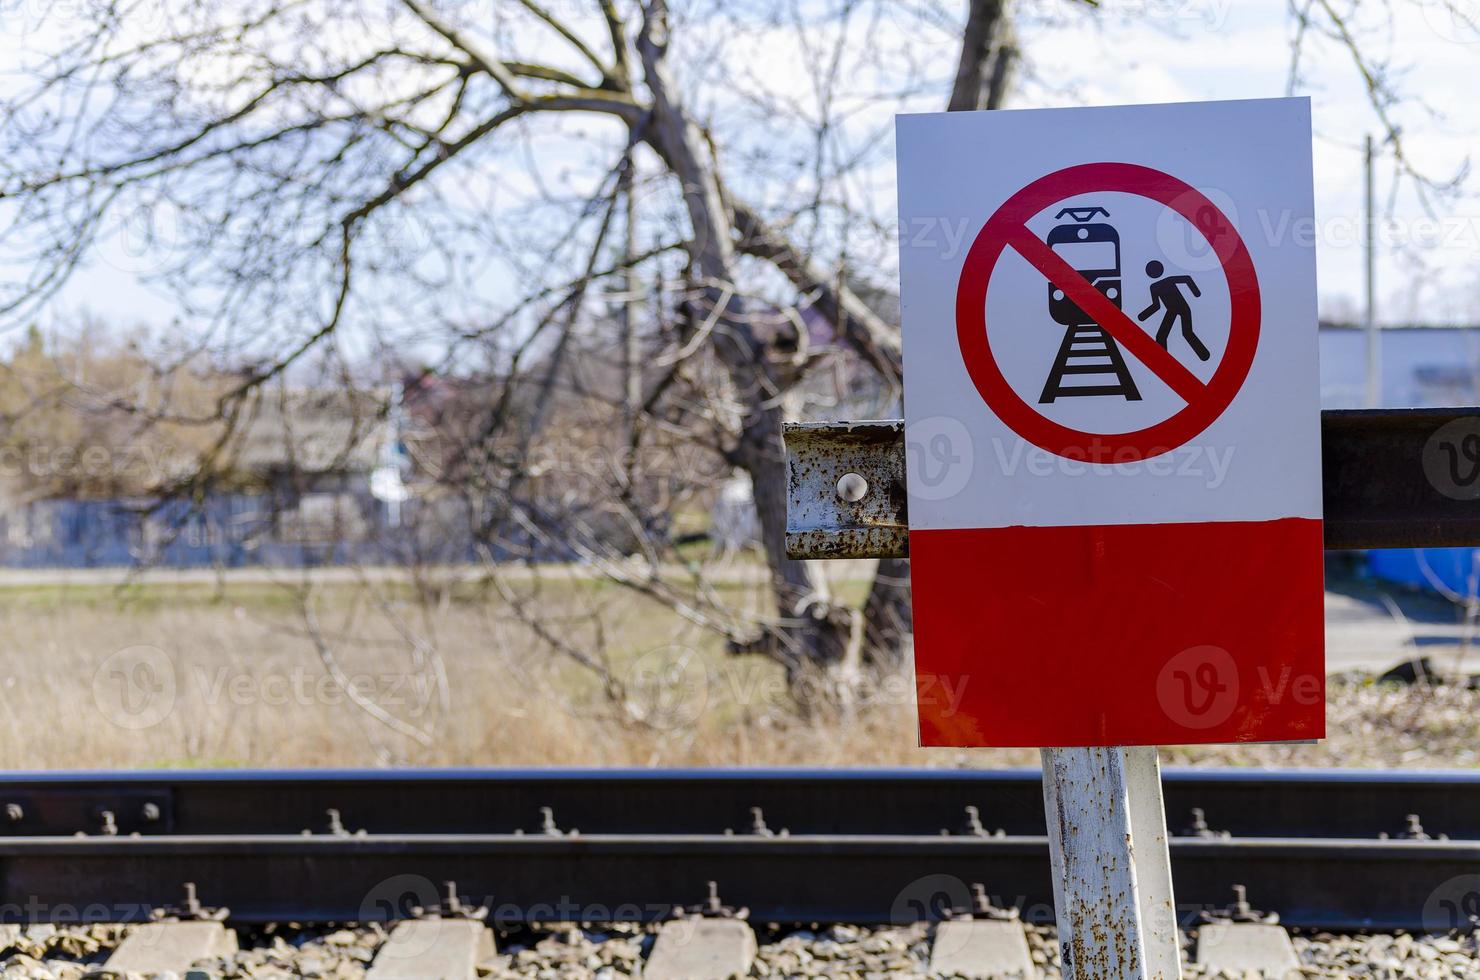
(1451, 459)
(667, 687)
(1199, 687)
(939, 457)
(135, 688)
(1455, 904)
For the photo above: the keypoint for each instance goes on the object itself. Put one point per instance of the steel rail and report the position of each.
(1328, 884)
(1244, 802)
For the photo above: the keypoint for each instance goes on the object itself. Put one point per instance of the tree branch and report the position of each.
(979, 45)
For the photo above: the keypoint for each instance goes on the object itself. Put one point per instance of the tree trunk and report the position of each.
(988, 56)
(810, 631)
(888, 620)
(983, 39)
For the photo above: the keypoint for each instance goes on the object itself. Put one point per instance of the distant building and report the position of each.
(320, 477)
(306, 481)
(1419, 367)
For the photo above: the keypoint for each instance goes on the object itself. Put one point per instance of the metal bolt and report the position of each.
(1412, 830)
(550, 828)
(712, 907)
(1200, 828)
(452, 905)
(149, 812)
(192, 903)
(14, 813)
(852, 487)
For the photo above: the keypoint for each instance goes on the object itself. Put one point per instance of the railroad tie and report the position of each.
(433, 949)
(1240, 939)
(1235, 948)
(171, 947)
(980, 939)
(694, 948)
(981, 948)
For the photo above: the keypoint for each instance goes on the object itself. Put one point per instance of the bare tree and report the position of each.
(358, 182)
(287, 157)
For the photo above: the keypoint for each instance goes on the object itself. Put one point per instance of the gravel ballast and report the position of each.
(840, 952)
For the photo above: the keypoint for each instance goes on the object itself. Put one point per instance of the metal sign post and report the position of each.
(1112, 871)
(1385, 485)
(1106, 823)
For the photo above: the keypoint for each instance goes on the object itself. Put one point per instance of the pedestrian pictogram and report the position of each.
(1166, 294)
(1125, 351)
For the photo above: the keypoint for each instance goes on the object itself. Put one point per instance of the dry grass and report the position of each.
(229, 675)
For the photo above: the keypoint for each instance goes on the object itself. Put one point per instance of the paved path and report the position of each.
(1372, 628)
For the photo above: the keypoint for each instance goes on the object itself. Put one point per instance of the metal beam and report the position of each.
(1401, 478)
(1393, 478)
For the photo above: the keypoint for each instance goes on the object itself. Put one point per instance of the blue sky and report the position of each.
(1147, 51)
(1134, 51)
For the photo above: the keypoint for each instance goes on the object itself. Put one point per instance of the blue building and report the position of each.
(1419, 367)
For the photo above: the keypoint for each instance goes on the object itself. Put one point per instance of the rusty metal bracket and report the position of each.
(845, 490)
(1391, 479)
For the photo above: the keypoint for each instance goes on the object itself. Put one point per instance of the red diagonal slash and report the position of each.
(1140, 344)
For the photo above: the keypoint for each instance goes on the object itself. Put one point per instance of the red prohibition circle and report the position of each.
(1008, 227)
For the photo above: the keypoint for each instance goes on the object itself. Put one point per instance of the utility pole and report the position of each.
(1374, 354)
(631, 351)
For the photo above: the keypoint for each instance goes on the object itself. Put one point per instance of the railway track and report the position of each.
(1324, 849)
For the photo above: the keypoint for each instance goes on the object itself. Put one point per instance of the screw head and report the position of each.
(852, 487)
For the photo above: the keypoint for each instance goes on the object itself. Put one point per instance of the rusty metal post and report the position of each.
(1111, 865)
(1153, 863)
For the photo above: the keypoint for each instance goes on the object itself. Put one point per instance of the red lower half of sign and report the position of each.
(1158, 634)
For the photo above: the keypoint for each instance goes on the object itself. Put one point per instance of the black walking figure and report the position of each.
(1166, 295)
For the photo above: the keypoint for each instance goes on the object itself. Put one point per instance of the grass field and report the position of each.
(252, 671)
